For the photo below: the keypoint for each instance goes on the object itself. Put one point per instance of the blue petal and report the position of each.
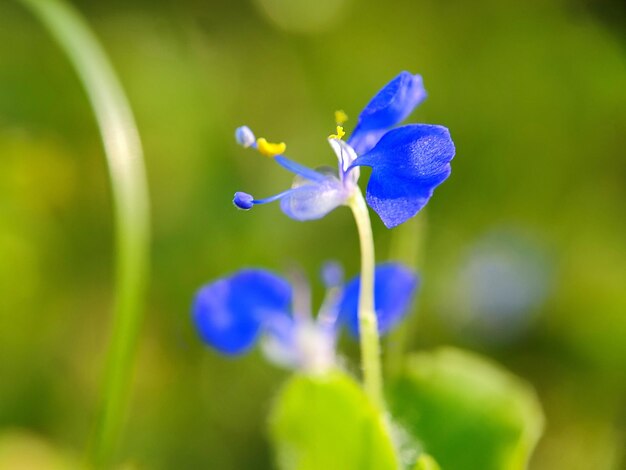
(389, 107)
(394, 288)
(407, 165)
(313, 200)
(229, 313)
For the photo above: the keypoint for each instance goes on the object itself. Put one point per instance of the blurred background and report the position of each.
(522, 251)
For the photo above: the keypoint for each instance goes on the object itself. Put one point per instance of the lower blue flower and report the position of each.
(232, 313)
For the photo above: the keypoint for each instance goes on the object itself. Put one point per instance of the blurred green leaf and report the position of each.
(21, 450)
(467, 411)
(327, 422)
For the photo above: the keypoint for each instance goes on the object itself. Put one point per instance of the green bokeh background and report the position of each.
(534, 94)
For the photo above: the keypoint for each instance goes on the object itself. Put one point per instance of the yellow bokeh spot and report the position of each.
(269, 149)
(340, 117)
(340, 133)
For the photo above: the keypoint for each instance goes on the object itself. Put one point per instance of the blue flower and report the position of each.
(232, 313)
(407, 162)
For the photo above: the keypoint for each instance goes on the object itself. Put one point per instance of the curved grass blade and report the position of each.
(130, 201)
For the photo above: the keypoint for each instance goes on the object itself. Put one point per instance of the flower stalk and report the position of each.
(368, 323)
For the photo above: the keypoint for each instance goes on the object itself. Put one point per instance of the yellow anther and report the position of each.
(340, 133)
(269, 149)
(340, 117)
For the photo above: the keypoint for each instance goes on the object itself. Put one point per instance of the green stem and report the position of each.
(368, 323)
(131, 212)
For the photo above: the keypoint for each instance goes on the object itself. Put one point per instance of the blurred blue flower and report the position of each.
(503, 280)
(232, 313)
(407, 162)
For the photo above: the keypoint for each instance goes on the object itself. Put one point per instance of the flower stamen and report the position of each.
(245, 137)
(270, 149)
(340, 133)
(340, 117)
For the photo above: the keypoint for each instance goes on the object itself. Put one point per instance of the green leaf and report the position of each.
(467, 411)
(426, 462)
(24, 450)
(326, 422)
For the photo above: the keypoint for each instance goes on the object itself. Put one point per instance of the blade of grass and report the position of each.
(131, 212)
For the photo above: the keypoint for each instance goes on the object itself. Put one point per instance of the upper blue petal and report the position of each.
(229, 312)
(394, 288)
(389, 107)
(407, 165)
(313, 200)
